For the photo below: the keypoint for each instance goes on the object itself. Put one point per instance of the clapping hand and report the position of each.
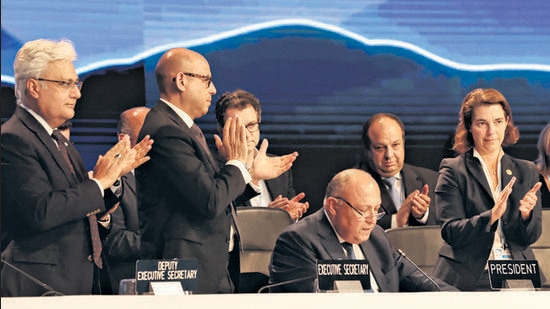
(528, 202)
(267, 167)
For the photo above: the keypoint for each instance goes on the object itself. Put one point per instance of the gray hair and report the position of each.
(33, 58)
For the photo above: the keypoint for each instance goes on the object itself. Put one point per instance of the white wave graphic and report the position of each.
(309, 23)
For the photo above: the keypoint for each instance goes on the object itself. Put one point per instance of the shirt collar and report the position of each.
(38, 118)
(183, 115)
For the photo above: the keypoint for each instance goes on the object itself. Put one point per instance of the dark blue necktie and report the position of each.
(349, 250)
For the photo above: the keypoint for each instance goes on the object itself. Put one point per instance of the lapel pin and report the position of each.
(509, 172)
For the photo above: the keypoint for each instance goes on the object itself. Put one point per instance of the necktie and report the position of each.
(200, 137)
(202, 140)
(62, 144)
(349, 250)
(394, 191)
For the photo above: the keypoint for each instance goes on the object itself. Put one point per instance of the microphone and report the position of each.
(420, 269)
(49, 289)
(285, 283)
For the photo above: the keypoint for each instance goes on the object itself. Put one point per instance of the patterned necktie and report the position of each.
(200, 137)
(62, 144)
(394, 191)
(349, 250)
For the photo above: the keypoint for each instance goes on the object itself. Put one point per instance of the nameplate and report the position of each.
(331, 271)
(183, 271)
(503, 271)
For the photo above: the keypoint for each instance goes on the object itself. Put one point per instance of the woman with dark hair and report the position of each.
(488, 202)
(543, 165)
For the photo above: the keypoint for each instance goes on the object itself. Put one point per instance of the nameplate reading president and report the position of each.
(501, 270)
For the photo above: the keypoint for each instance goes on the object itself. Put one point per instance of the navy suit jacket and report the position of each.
(464, 202)
(45, 211)
(301, 244)
(122, 247)
(184, 198)
(414, 178)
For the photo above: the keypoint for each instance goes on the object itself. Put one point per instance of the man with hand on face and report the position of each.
(51, 207)
(407, 191)
(184, 196)
(277, 192)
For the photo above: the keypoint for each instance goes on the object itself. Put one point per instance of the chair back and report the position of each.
(541, 249)
(421, 244)
(259, 228)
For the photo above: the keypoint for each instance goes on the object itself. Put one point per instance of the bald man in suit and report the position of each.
(350, 210)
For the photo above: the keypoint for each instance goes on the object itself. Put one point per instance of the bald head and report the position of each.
(351, 202)
(131, 121)
(171, 63)
(350, 180)
(184, 80)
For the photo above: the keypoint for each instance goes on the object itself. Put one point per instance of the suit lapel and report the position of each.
(387, 202)
(374, 265)
(129, 201)
(328, 238)
(410, 180)
(474, 168)
(507, 169)
(34, 126)
(168, 111)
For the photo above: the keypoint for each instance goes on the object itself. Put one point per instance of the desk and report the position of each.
(427, 300)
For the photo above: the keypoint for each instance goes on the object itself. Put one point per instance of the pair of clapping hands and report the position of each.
(259, 164)
(120, 160)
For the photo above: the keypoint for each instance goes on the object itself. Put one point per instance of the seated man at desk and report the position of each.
(350, 210)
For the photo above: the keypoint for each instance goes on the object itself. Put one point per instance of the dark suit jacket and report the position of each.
(184, 198)
(544, 193)
(300, 246)
(414, 178)
(44, 211)
(464, 202)
(122, 247)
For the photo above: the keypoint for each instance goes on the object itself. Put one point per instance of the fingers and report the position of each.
(510, 185)
(234, 140)
(425, 189)
(298, 197)
(536, 187)
(219, 145)
(263, 146)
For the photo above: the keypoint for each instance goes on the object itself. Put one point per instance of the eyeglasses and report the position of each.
(67, 84)
(253, 126)
(378, 215)
(204, 78)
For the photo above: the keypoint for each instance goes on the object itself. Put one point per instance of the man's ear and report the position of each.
(33, 87)
(330, 203)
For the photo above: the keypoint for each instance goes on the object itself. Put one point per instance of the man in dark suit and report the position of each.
(350, 210)
(277, 192)
(184, 196)
(122, 246)
(49, 201)
(407, 191)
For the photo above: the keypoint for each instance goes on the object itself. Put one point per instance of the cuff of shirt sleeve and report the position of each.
(424, 217)
(100, 187)
(246, 175)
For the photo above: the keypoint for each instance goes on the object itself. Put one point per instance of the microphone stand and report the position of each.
(420, 269)
(284, 283)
